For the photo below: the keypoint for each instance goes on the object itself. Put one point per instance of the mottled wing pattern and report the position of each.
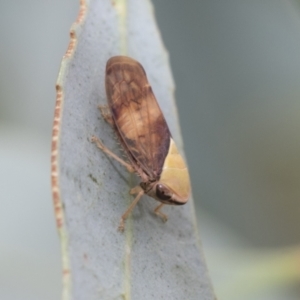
(140, 123)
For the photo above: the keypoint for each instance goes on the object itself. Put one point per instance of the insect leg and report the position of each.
(135, 190)
(105, 112)
(159, 213)
(128, 211)
(107, 151)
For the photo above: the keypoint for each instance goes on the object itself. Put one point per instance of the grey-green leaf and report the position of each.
(151, 259)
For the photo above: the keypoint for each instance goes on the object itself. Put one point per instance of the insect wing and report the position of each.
(140, 123)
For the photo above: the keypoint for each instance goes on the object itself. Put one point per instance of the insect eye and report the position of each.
(162, 192)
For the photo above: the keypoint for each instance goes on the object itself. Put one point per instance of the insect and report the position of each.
(137, 119)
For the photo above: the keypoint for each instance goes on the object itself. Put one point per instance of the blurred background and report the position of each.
(236, 65)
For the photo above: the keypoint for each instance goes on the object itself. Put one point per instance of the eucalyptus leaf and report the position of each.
(151, 259)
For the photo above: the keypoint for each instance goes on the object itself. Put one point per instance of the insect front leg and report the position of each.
(159, 213)
(105, 112)
(101, 146)
(129, 209)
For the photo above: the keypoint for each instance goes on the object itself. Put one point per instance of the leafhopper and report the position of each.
(141, 128)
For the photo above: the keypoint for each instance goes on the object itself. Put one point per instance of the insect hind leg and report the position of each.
(101, 146)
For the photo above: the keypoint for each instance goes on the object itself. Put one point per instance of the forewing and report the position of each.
(137, 115)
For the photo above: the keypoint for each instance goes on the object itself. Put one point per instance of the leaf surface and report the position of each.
(151, 259)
